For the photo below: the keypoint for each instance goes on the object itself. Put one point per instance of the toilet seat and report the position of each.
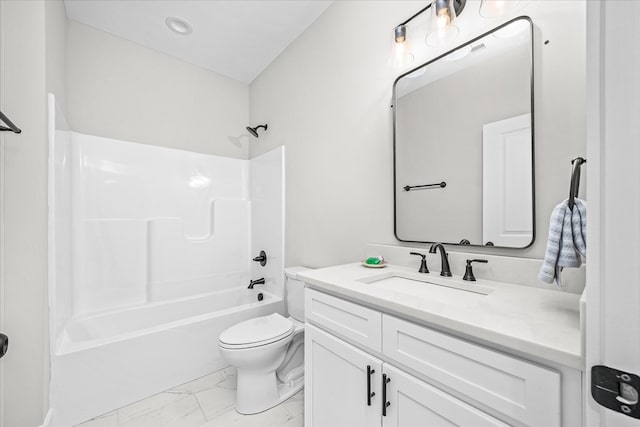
(257, 332)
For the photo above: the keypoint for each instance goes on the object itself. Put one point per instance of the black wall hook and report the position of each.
(10, 126)
(574, 186)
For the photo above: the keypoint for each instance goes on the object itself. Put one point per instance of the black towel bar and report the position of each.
(411, 187)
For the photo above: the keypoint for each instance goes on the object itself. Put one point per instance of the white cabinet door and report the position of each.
(336, 383)
(524, 391)
(416, 403)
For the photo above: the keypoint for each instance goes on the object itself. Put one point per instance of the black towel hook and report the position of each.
(575, 179)
(10, 126)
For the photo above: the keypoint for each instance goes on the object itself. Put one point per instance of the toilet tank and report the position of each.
(294, 289)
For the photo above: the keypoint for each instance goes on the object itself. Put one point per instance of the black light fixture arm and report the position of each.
(415, 15)
(458, 6)
(10, 126)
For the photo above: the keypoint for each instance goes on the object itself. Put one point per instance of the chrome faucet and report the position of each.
(259, 281)
(446, 270)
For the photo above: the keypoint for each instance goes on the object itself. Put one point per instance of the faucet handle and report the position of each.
(423, 263)
(261, 258)
(468, 273)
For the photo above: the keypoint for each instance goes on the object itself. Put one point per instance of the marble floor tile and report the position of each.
(216, 401)
(203, 383)
(274, 417)
(184, 412)
(107, 420)
(205, 402)
(147, 405)
(295, 405)
(229, 378)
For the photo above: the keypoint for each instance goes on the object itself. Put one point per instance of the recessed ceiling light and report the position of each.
(179, 25)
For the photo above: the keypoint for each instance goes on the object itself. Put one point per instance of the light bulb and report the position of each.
(496, 8)
(441, 29)
(443, 19)
(400, 52)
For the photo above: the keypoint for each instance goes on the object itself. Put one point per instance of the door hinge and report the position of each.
(616, 390)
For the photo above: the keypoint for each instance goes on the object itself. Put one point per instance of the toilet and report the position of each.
(268, 352)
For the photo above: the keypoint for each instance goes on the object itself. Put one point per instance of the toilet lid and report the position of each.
(257, 331)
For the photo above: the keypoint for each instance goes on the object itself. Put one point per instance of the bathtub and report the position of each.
(110, 359)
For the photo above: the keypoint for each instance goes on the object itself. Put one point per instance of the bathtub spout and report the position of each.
(259, 281)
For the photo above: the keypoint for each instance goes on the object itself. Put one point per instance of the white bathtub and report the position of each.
(110, 359)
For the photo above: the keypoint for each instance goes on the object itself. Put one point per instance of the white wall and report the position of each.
(32, 51)
(327, 96)
(121, 90)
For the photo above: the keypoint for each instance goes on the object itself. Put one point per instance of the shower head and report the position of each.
(254, 131)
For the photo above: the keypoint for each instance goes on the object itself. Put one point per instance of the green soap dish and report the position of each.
(374, 262)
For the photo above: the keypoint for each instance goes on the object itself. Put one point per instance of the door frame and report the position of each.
(613, 153)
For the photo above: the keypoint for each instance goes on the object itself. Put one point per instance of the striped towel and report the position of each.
(567, 243)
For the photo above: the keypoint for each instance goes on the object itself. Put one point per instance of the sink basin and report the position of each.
(408, 282)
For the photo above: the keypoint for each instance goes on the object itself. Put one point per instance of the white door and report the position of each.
(507, 198)
(414, 403)
(613, 194)
(336, 383)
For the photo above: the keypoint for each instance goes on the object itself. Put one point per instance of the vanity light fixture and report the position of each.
(179, 25)
(441, 29)
(496, 8)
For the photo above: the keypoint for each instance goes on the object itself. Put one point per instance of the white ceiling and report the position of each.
(237, 38)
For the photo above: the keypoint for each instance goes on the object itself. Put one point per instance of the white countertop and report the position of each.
(537, 322)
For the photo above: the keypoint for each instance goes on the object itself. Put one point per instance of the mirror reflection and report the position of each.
(463, 143)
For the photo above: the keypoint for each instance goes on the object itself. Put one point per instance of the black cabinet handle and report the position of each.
(385, 404)
(370, 393)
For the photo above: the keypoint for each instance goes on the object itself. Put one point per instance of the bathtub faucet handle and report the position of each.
(259, 281)
(262, 258)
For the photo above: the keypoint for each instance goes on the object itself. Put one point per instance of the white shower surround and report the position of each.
(150, 253)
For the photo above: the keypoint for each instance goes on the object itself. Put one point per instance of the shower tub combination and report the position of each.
(111, 359)
(150, 254)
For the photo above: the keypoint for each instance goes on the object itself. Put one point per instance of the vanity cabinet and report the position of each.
(346, 387)
(435, 379)
(338, 394)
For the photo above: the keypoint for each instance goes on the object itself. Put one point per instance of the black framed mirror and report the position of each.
(463, 143)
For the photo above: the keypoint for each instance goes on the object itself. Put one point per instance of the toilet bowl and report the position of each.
(268, 353)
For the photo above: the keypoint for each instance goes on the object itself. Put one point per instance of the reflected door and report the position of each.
(507, 182)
